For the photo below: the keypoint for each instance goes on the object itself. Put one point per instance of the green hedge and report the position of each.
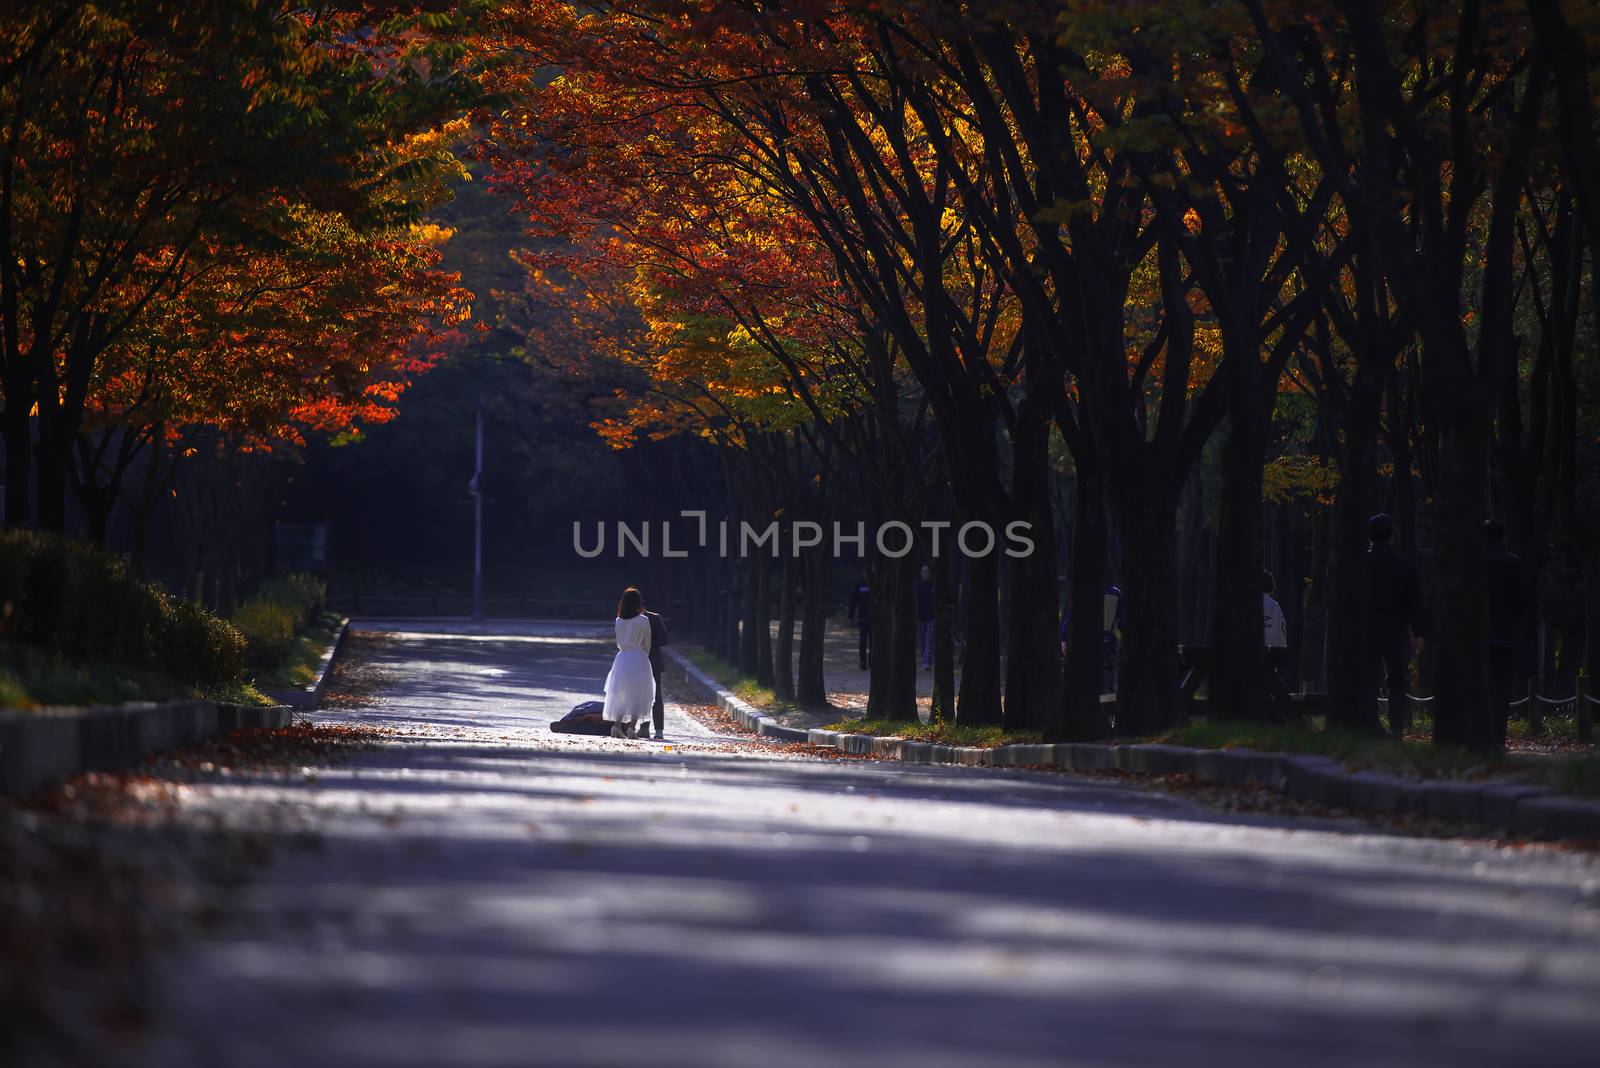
(304, 595)
(80, 603)
(275, 616)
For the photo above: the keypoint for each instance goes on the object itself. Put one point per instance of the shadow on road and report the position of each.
(591, 902)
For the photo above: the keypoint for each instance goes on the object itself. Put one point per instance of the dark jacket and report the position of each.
(860, 607)
(658, 639)
(1395, 592)
(1505, 597)
(924, 601)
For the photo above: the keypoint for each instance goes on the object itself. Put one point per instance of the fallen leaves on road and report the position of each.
(358, 675)
(740, 739)
(97, 874)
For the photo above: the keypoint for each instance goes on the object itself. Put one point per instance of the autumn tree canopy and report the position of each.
(213, 215)
(1159, 282)
(1130, 230)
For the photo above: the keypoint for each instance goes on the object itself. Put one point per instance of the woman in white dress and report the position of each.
(631, 685)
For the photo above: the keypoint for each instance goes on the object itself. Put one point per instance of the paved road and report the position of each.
(487, 893)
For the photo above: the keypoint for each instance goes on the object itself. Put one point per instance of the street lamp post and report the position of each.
(475, 487)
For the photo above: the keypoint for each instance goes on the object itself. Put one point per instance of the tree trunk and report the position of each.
(18, 433)
(1314, 631)
(1591, 606)
(944, 644)
(1237, 681)
(707, 631)
(1147, 669)
(880, 613)
(783, 659)
(1080, 717)
(1350, 664)
(50, 484)
(900, 698)
(741, 617)
(96, 515)
(811, 689)
(1194, 560)
(762, 620)
(979, 703)
(1033, 651)
(144, 504)
(1462, 715)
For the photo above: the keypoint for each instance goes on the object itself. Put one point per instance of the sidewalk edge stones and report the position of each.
(306, 698)
(1502, 805)
(43, 746)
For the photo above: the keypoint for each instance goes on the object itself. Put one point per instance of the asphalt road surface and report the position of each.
(482, 892)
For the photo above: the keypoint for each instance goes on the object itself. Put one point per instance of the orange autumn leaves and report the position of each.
(213, 214)
(322, 334)
(672, 246)
(674, 243)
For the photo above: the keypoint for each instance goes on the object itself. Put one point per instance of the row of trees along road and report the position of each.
(211, 234)
(937, 242)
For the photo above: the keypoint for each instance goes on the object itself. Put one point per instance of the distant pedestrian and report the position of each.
(1110, 626)
(1275, 629)
(925, 616)
(860, 613)
(1504, 584)
(1275, 635)
(1395, 621)
(658, 664)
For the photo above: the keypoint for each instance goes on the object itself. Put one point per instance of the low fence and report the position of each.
(1535, 707)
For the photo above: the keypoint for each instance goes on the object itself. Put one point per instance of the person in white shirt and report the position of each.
(1275, 629)
(1275, 634)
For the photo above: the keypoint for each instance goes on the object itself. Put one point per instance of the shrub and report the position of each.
(269, 629)
(80, 603)
(200, 648)
(304, 594)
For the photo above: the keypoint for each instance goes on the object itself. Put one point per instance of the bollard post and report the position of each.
(1535, 709)
(1583, 712)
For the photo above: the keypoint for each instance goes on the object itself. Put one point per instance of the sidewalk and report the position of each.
(845, 681)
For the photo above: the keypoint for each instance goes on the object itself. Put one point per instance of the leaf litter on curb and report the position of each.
(1250, 798)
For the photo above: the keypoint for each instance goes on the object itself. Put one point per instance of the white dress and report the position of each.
(631, 685)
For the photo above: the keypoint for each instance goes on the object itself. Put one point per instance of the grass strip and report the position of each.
(299, 668)
(940, 732)
(1414, 757)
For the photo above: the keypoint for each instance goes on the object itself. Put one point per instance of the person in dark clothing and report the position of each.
(1110, 627)
(1395, 624)
(1504, 574)
(860, 612)
(925, 616)
(658, 664)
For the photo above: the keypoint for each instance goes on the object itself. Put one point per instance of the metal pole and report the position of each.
(477, 528)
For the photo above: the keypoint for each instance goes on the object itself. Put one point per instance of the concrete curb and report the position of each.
(1513, 807)
(43, 746)
(306, 698)
(740, 711)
